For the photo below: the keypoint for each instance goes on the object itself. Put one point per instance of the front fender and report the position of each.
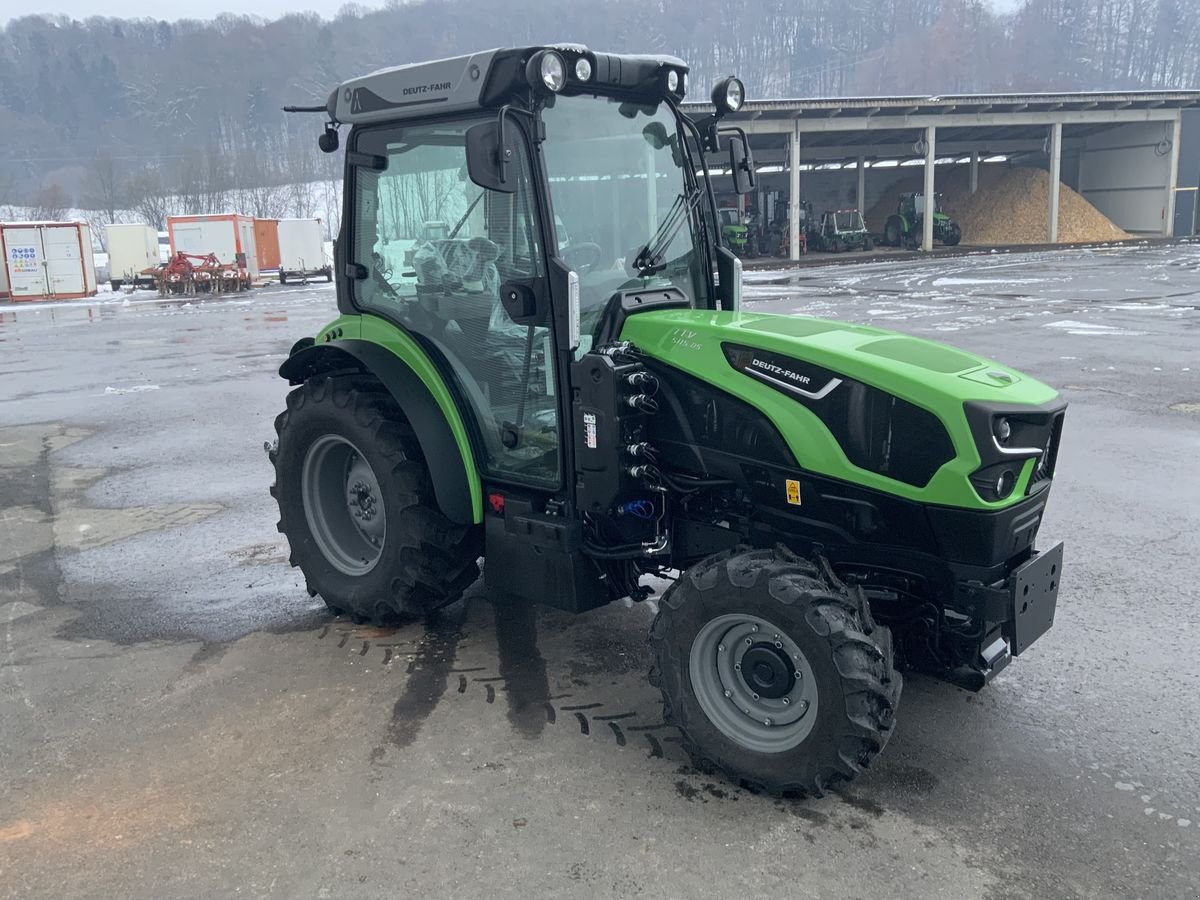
(434, 418)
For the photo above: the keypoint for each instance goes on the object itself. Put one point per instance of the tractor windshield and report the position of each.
(849, 220)
(618, 183)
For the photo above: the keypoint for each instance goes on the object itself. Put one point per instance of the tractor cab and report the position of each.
(843, 229)
(913, 204)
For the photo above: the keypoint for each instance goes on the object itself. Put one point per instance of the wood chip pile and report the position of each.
(1010, 207)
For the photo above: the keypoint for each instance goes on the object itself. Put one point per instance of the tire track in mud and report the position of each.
(522, 680)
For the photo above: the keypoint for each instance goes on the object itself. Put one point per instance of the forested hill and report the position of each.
(138, 97)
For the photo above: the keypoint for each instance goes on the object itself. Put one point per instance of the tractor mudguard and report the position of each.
(458, 494)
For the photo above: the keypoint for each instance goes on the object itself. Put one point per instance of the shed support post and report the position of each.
(927, 213)
(1055, 179)
(794, 193)
(1173, 176)
(974, 171)
(860, 195)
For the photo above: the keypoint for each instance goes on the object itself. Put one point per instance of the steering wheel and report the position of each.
(583, 257)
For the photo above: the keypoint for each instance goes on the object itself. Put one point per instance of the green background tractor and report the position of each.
(738, 234)
(565, 385)
(904, 228)
(843, 229)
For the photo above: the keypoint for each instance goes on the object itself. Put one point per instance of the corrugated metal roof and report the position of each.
(964, 103)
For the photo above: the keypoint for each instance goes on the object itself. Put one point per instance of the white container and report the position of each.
(47, 261)
(302, 250)
(229, 237)
(131, 249)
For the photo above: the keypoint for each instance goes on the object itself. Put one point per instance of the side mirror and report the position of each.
(741, 163)
(490, 157)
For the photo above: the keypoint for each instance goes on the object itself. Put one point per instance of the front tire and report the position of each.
(774, 671)
(893, 231)
(357, 507)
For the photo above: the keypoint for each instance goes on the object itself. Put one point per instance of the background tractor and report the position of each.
(843, 229)
(904, 229)
(739, 235)
(596, 416)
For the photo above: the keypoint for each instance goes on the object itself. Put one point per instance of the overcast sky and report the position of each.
(165, 9)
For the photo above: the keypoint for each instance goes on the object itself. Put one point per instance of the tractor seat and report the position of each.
(457, 280)
(473, 262)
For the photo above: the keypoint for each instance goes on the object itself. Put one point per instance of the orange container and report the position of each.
(266, 242)
(228, 236)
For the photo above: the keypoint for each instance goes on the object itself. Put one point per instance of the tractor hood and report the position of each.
(791, 368)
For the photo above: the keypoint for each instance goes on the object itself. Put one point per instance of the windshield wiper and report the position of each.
(650, 259)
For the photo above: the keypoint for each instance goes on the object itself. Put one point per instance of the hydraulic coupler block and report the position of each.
(610, 403)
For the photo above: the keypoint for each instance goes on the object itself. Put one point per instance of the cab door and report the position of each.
(433, 250)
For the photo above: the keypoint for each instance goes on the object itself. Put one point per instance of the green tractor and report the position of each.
(904, 229)
(738, 234)
(827, 501)
(843, 229)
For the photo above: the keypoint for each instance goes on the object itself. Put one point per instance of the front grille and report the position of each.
(1044, 470)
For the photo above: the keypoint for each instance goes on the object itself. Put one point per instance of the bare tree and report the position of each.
(150, 198)
(267, 201)
(302, 176)
(106, 187)
(51, 203)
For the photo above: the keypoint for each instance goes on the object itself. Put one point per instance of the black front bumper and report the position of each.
(1016, 611)
(1032, 598)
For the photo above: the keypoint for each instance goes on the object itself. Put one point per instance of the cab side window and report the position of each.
(436, 248)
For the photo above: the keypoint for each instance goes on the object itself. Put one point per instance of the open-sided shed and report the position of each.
(1121, 151)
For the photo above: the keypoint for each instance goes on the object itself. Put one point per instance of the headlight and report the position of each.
(1005, 483)
(672, 81)
(997, 482)
(1003, 430)
(729, 95)
(548, 70)
(583, 69)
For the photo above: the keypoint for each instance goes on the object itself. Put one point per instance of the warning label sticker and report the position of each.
(589, 430)
(793, 492)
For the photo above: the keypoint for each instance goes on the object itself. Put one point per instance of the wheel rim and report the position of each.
(753, 683)
(343, 504)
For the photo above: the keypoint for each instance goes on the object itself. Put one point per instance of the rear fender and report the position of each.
(438, 426)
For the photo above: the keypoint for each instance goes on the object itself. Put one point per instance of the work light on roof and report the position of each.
(583, 69)
(729, 95)
(551, 70)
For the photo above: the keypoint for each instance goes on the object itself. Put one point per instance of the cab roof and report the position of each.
(490, 78)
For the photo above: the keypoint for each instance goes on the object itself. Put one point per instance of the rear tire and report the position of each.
(823, 690)
(357, 507)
